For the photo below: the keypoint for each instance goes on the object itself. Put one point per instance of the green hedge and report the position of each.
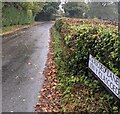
(101, 41)
(81, 37)
(13, 16)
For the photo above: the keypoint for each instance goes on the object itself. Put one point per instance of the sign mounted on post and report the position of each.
(105, 75)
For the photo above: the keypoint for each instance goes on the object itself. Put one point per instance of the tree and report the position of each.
(48, 11)
(103, 10)
(35, 7)
(74, 9)
(14, 13)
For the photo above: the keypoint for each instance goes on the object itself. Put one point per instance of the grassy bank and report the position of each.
(11, 29)
(81, 92)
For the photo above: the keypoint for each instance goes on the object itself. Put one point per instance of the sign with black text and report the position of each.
(105, 75)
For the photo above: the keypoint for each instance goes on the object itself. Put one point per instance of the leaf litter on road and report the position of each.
(49, 99)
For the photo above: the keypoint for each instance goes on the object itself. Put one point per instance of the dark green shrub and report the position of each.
(102, 43)
(13, 16)
(82, 37)
(58, 25)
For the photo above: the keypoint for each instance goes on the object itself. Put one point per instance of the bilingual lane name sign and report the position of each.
(105, 75)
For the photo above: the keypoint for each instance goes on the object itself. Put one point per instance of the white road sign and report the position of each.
(105, 75)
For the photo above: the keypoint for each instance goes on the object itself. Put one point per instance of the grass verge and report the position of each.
(10, 29)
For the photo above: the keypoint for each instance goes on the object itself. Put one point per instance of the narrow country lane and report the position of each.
(24, 55)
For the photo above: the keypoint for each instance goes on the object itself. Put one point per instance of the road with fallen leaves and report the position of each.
(24, 55)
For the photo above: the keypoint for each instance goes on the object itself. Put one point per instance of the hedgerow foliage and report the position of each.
(13, 16)
(83, 37)
(18, 13)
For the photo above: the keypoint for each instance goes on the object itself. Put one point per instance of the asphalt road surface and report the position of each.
(24, 55)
